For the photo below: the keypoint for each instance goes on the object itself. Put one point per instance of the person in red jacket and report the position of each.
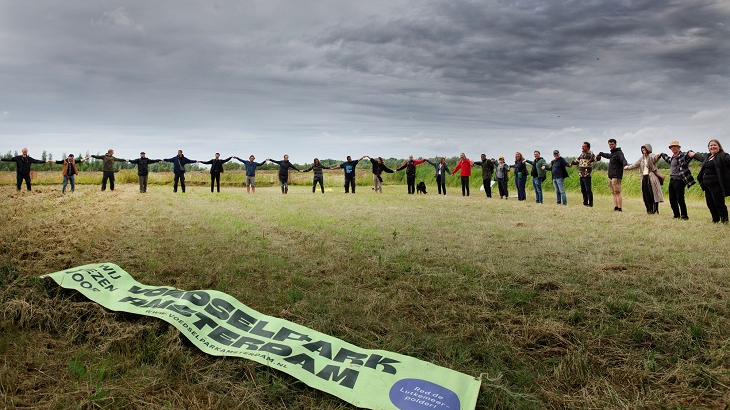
(464, 165)
(410, 167)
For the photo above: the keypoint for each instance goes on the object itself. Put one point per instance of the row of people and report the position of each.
(714, 174)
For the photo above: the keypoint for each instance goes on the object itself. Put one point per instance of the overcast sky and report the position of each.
(331, 78)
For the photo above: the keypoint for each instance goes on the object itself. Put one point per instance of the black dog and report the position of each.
(421, 188)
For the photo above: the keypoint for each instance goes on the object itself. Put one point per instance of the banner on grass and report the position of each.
(218, 324)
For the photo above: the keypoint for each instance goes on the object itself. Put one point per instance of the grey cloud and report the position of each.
(453, 71)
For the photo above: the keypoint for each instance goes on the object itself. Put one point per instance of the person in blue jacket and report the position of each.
(251, 172)
(179, 161)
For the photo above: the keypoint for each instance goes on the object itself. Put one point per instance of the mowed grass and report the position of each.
(557, 307)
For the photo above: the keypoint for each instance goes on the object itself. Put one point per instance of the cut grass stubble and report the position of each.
(559, 307)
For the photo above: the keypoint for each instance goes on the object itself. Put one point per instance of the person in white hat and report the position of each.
(680, 178)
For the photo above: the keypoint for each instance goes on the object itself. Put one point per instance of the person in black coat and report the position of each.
(714, 179)
(216, 169)
(284, 173)
(22, 167)
(143, 169)
(378, 169)
(616, 164)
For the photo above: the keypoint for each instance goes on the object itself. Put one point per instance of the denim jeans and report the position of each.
(520, 183)
(537, 184)
(559, 185)
(66, 180)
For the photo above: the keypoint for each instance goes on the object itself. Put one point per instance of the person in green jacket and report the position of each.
(108, 168)
(538, 175)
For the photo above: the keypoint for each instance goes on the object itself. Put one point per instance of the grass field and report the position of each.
(559, 307)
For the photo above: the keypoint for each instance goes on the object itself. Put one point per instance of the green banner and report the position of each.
(220, 325)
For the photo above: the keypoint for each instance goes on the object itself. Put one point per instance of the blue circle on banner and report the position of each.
(416, 394)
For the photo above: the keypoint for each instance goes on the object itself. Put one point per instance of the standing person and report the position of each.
(538, 175)
(70, 170)
(487, 171)
(616, 164)
(378, 169)
(520, 176)
(107, 168)
(501, 174)
(558, 168)
(714, 179)
(585, 165)
(216, 169)
(464, 166)
(179, 161)
(143, 169)
(441, 170)
(349, 167)
(251, 172)
(680, 177)
(651, 184)
(22, 167)
(317, 167)
(410, 167)
(284, 166)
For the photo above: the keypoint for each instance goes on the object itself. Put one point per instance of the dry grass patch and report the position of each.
(559, 307)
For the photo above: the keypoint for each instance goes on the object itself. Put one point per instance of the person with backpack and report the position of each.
(410, 167)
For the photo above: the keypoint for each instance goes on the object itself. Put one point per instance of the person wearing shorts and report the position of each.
(616, 164)
(251, 172)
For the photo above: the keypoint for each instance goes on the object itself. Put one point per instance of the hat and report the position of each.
(674, 143)
(556, 152)
(501, 157)
(70, 155)
(141, 153)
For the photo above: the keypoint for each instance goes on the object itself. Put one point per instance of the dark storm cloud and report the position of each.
(451, 74)
(513, 45)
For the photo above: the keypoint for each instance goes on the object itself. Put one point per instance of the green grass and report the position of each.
(558, 307)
